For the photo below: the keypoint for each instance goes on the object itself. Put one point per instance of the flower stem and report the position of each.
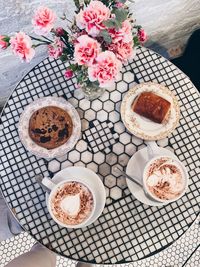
(47, 38)
(39, 40)
(34, 46)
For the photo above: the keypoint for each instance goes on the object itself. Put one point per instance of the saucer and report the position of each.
(143, 127)
(136, 166)
(93, 181)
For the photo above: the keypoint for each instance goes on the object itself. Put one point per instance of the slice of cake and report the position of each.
(152, 107)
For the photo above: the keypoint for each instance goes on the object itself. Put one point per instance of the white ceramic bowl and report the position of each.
(23, 127)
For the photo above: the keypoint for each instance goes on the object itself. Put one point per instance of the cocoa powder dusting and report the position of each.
(86, 203)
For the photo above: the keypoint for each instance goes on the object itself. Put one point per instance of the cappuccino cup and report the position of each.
(165, 178)
(71, 203)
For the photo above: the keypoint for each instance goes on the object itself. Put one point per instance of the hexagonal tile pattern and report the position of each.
(122, 86)
(118, 148)
(99, 157)
(54, 165)
(102, 115)
(84, 104)
(90, 115)
(81, 146)
(104, 169)
(86, 156)
(116, 192)
(128, 77)
(110, 181)
(121, 182)
(115, 96)
(74, 156)
(114, 116)
(111, 158)
(93, 166)
(96, 105)
(125, 138)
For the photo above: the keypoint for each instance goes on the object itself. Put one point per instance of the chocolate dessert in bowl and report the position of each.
(49, 127)
(165, 179)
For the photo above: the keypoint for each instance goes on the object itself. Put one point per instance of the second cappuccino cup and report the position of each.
(165, 179)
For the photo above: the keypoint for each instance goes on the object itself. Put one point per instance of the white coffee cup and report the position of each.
(54, 188)
(179, 165)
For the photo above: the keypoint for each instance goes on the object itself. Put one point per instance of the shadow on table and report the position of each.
(189, 61)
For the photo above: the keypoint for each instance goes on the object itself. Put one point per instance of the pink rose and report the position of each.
(92, 16)
(125, 33)
(68, 73)
(3, 44)
(21, 46)
(86, 50)
(55, 49)
(43, 20)
(142, 35)
(106, 69)
(122, 50)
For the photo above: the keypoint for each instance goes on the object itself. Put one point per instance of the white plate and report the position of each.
(145, 128)
(93, 181)
(136, 166)
(23, 128)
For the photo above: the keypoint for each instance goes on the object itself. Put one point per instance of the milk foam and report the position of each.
(71, 204)
(165, 178)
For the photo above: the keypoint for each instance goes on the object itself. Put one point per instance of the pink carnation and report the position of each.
(86, 50)
(3, 44)
(92, 16)
(119, 4)
(21, 46)
(43, 20)
(56, 48)
(68, 73)
(124, 33)
(142, 35)
(122, 50)
(106, 69)
(59, 31)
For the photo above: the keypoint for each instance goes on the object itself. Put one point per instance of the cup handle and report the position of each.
(151, 146)
(48, 183)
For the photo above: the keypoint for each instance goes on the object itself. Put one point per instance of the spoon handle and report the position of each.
(133, 179)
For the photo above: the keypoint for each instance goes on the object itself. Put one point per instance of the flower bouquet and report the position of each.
(102, 36)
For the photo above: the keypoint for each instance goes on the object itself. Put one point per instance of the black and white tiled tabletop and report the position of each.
(185, 252)
(127, 230)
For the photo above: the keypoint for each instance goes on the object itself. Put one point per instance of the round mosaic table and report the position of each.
(127, 230)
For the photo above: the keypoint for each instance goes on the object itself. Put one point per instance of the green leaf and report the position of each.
(64, 57)
(121, 14)
(112, 23)
(122, 1)
(136, 41)
(77, 3)
(73, 67)
(6, 39)
(106, 36)
(105, 2)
